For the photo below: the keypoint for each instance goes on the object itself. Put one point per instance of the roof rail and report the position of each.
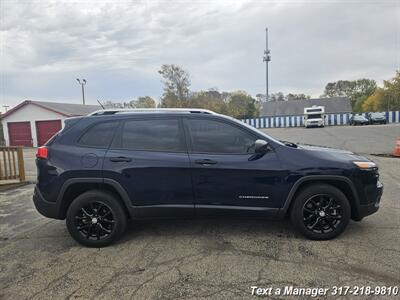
(115, 111)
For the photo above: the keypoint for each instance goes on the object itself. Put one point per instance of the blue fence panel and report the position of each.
(297, 121)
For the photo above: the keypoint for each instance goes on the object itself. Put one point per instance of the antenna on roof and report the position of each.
(101, 104)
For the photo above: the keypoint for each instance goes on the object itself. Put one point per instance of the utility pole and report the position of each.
(82, 83)
(266, 59)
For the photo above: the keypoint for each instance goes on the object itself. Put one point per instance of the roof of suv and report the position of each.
(104, 112)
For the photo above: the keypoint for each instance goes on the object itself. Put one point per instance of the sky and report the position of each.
(118, 46)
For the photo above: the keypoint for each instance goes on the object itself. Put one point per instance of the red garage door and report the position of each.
(20, 134)
(46, 129)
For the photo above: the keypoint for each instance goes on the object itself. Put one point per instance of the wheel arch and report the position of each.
(344, 184)
(74, 187)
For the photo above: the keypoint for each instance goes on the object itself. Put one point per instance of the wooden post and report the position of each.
(1, 163)
(10, 176)
(5, 164)
(21, 166)
(15, 175)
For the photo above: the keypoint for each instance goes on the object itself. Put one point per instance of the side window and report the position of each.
(99, 135)
(151, 135)
(209, 136)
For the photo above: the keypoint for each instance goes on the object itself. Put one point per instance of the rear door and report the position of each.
(148, 157)
(227, 174)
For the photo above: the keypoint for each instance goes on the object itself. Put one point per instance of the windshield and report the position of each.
(314, 116)
(359, 117)
(376, 115)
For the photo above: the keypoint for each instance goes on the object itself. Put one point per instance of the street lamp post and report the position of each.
(266, 59)
(82, 83)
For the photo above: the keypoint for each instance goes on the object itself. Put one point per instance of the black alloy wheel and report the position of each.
(95, 221)
(322, 213)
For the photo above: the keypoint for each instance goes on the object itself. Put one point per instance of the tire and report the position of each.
(313, 220)
(96, 219)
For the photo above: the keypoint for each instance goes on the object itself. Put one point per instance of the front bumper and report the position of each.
(314, 125)
(378, 121)
(45, 208)
(370, 208)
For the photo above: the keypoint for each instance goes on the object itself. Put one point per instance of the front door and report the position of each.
(150, 160)
(227, 174)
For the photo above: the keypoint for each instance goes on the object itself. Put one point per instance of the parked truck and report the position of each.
(314, 116)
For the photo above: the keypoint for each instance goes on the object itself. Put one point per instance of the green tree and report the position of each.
(358, 105)
(176, 86)
(279, 96)
(241, 105)
(276, 97)
(385, 98)
(291, 96)
(372, 103)
(392, 93)
(112, 104)
(143, 102)
(353, 89)
(211, 99)
(260, 97)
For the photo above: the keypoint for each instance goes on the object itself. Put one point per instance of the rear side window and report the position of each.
(151, 135)
(99, 135)
(209, 136)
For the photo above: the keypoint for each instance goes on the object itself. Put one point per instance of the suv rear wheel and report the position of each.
(96, 219)
(321, 212)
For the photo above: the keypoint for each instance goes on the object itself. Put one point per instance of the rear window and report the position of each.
(151, 135)
(99, 135)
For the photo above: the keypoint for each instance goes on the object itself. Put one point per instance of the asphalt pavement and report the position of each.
(367, 139)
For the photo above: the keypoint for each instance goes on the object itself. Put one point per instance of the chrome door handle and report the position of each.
(120, 159)
(205, 162)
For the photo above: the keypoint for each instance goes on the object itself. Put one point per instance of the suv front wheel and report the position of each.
(96, 219)
(320, 212)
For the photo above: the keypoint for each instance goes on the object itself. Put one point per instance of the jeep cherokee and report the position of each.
(113, 165)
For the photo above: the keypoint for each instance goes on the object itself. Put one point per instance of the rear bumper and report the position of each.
(45, 208)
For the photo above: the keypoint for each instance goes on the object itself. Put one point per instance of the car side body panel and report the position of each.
(170, 184)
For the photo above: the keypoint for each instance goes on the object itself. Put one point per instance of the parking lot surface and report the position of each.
(369, 139)
(215, 258)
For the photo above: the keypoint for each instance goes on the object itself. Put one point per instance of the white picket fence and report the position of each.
(297, 121)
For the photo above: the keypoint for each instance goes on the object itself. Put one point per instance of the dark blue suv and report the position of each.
(111, 166)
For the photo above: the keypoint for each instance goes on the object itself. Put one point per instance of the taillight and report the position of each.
(42, 152)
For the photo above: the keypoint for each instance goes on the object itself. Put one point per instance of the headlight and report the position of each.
(365, 164)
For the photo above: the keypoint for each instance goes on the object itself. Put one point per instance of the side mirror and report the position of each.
(261, 146)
